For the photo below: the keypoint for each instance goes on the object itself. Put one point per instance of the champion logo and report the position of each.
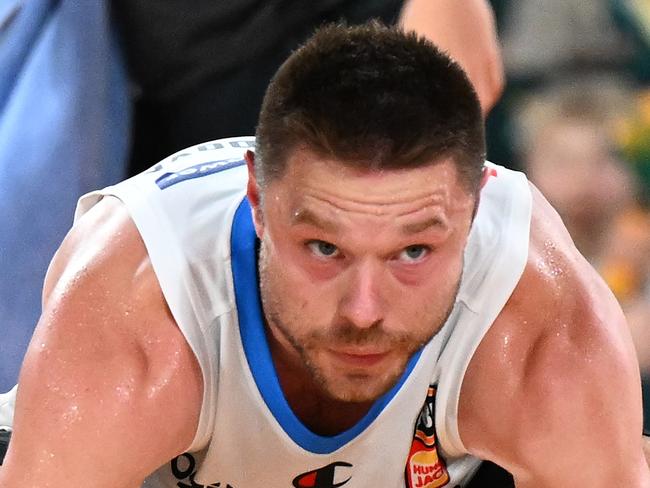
(331, 476)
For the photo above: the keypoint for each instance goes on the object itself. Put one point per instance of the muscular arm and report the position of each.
(553, 392)
(464, 29)
(98, 402)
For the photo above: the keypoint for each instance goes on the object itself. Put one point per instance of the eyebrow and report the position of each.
(417, 227)
(306, 217)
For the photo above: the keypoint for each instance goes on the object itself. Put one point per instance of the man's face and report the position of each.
(358, 268)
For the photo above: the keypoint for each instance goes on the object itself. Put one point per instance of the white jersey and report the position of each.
(196, 224)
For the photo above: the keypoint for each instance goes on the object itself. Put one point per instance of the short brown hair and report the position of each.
(371, 96)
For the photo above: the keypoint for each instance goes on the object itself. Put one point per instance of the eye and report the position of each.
(413, 254)
(323, 249)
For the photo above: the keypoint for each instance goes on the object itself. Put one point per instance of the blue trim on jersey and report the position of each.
(258, 354)
(197, 171)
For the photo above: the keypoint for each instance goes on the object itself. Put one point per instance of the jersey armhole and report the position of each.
(479, 308)
(167, 262)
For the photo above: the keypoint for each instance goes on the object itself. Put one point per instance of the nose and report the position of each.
(362, 303)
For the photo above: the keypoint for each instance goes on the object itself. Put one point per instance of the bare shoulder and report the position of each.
(555, 381)
(97, 402)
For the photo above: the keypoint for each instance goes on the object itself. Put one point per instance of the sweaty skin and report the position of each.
(109, 388)
(552, 393)
(372, 263)
(559, 368)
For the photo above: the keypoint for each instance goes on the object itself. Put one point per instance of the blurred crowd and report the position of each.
(576, 118)
(575, 115)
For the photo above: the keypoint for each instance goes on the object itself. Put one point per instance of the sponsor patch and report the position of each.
(184, 470)
(425, 468)
(331, 476)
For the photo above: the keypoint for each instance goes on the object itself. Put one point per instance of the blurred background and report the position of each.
(92, 92)
(575, 116)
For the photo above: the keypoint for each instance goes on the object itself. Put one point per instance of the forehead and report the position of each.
(310, 176)
(354, 203)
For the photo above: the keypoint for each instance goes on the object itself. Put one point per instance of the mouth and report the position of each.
(360, 358)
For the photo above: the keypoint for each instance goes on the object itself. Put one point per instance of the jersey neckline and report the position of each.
(258, 354)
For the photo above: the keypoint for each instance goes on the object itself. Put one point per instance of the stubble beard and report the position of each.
(354, 387)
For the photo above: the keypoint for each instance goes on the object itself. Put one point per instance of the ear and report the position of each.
(253, 193)
(487, 172)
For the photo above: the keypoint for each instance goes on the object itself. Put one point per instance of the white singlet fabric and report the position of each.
(196, 224)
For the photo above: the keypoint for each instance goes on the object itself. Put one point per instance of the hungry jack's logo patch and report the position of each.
(424, 467)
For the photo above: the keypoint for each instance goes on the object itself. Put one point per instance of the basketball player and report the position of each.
(362, 301)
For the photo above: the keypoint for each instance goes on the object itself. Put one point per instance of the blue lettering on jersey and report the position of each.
(197, 171)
